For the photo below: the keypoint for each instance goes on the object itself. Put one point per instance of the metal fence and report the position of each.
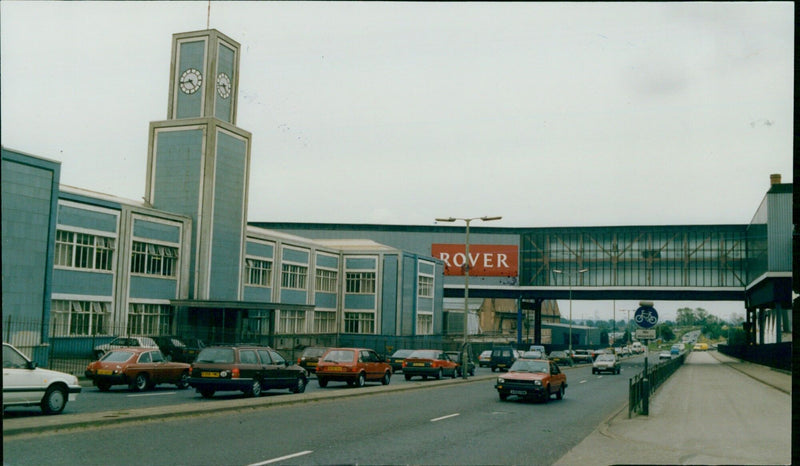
(642, 385)
(777, 355)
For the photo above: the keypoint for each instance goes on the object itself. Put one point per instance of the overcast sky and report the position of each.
(549, 114)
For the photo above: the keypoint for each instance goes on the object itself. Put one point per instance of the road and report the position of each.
(463, 423)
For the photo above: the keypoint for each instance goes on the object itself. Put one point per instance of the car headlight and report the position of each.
(501, 380)
(537, 382)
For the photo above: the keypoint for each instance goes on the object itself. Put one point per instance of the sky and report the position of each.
(547, 114)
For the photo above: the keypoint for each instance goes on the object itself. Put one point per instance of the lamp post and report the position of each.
(464, 353)
(570, 274)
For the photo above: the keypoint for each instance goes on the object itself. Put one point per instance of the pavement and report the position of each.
(713, 410)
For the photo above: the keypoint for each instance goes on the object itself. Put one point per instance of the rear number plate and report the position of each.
(419, 364)
(335, 369)
(209, 374)
(519, 392)
(103, 372)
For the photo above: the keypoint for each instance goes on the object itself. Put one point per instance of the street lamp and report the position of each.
(464, 353)
(570, 274)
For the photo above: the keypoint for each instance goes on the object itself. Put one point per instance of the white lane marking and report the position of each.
(444, 417)
(583, 381)
(276, 460)
(153, 394)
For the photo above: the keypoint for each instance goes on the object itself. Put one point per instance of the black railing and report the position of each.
(642, 385)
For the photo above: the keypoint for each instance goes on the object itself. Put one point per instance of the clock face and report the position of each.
(223, 85)
(190, 81)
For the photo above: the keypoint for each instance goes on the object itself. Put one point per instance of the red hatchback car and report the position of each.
(352, 365)
(429, 363)
(139, 368)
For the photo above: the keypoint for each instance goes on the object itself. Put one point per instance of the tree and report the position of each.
(665, 332)
(685, 317)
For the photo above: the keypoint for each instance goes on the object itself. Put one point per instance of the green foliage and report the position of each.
(665, 332)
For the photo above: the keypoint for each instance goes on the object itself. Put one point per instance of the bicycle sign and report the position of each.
(645, 316)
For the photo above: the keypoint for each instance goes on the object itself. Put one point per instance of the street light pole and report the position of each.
(576, 273)
(464, 350)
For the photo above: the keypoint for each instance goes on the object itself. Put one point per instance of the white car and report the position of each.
(124, 342)
(24, 384)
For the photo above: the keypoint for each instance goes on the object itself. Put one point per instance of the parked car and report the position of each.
(664, 355)
(397, 358)
(561, 358)
(502, 358)
(355, 366)
(456, 357)
(581, 356)
(249, 369)
(124, 342)
(26, 384)
(429, 363)
(138, 368)
(532, 378)
(485, 358)
(310, 357)
(539, 348)
(606, 363)
(178, 350)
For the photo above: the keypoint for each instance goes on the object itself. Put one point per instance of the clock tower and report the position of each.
(198, 161)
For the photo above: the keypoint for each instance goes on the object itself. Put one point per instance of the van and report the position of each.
(502, 358)
(637, 347)
(675, 350)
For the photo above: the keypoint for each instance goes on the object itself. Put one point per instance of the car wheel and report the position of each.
(456, 373)
(103, 386)
(594, 371)
(618, 369)
(255, 389)
(547, 395)
(503, 396)
(472, 371)
(494, 369)
(407, 376)
(183, 382)
(560, 394)
(299, 385)
(439, 374)
(206, 392)
(322, 382)
(140, 382)
(54, 400)
(386, 378)
(360, 380)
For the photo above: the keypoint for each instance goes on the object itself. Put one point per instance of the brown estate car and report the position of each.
(352, 365)
(249, 369)
(139, 368)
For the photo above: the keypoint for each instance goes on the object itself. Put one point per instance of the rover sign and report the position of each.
(485, 260)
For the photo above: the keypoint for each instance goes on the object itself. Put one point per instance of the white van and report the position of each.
(637, 347)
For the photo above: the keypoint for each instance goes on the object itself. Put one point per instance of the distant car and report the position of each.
(397, 358)
(606, 363)
(456, 357)
(502, 358)
(124, 342)
(535, 354)
(429, 363)
(249, 369)
(675, 350)
(561, 358)
(700, 347)
(138, 368)
(532, 378)
(581, 356)
(178, 350)
(664, 355)
(485, 358)
(310, 357)
(25, 384)
(539, 348)
(355, 366)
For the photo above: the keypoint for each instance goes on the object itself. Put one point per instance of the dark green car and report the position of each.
(561, 358)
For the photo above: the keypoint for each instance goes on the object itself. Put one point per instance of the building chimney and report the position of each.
(775, 178)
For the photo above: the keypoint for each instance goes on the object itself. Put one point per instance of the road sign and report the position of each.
(645, 316)
(645, 334)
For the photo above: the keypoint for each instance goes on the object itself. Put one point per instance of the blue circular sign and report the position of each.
(645, 316)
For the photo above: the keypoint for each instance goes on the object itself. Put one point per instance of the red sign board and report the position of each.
(486, 260)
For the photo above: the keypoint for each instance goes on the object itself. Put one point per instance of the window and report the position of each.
(361, 282)
(83, 251)
(257, 323)
(149, 319)
(324, 321)
(294, 276)
(425, 286)
(425, 324)
(76, 318)
(326, 280)
(292, 322)
(258, 272)
(359, 322)
(154, 259)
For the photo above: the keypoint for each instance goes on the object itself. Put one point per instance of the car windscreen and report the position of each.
(216, 355)
(521, 365)
(403, 353)
(339, 356)
(425, 354)
(606, 357)
(313, 352)
(117, 356)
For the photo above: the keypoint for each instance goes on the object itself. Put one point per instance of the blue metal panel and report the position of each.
(360, 263)
(389, 295)
(83, 218)
(324, 260)
(258, 294)
(359, 301)
(325, 300)
(153, 288)
(408, 305)
(438, 296)
(225, 64)
(295, 255)
(293, 296)
(426, 268)
(82, 283)
(179, 158)
(192, 55)
(228, 222)
(156, 231)
(425, 304)
(779, 231)
(260, 249)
